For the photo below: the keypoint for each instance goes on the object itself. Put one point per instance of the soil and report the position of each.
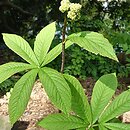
(39, 107)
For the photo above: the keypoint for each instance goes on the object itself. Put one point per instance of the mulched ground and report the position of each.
(40, 106)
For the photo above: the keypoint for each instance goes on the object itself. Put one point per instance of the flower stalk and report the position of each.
(63, 43)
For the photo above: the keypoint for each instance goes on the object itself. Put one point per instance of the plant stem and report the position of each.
(63, 43)
(95, 125)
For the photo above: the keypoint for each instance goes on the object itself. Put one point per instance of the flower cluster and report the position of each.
(64, 6)
(72, 8)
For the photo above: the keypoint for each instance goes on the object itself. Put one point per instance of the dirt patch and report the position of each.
(39, 106)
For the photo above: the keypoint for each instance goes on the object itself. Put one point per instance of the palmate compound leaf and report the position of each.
(52, 54)
(79, 101)
(62, 122)
(20, 47)
(94, 42)
(117, 126)
(57, 88)
(43, 41)
(9, 69)
(120, 105)
(21, 94)
(102, 93)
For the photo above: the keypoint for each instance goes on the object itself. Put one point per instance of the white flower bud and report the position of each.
(75, 7)
(65, 1)
(71, 15)
(72, 8)
(64, 5)
(74, 12)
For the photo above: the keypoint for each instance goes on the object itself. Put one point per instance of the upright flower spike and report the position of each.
(73, 9)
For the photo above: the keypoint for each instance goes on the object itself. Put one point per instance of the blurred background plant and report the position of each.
(7, 85)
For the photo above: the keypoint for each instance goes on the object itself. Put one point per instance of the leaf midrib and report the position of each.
(21, 94)
(87, 39)
(22, 50)
(55, 87)
(113, 110)
(98, 104)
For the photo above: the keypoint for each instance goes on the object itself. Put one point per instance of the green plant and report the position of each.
(82, 64)
(100, 114)
(37, 59)
(114, 28)
(7, 85)
(64, 91)
(53, 81)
